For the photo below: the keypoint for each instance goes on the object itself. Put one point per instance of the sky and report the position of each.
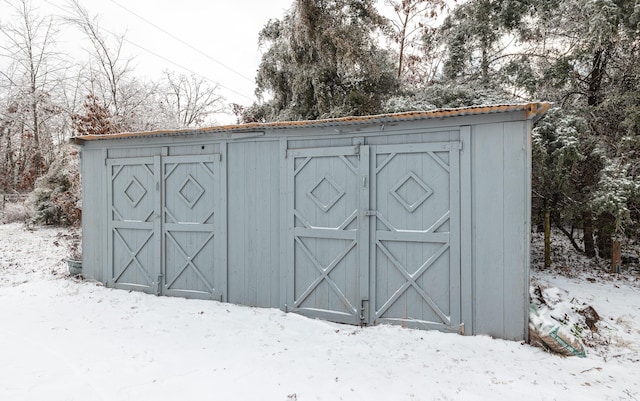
(217, 40)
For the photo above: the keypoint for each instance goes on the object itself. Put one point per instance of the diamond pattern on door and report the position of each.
(135, 192)
(325, 193)
(416, 274)
(133, 240)
(191, 199)
(191, 191)
(162, 233)
(405, 187)
(326, 266)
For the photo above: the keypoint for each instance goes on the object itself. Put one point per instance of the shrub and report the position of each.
(15, 212)
(57, 198)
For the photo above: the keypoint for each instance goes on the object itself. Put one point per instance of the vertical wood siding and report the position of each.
(252, 225)
(253, 197)
(500, 213)
(94, 206)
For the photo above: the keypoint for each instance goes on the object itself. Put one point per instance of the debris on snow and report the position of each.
(583, 296)
(552, 325)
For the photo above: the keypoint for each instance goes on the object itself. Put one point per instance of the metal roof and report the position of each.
(531, 110)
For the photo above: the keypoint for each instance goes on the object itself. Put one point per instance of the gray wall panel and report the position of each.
(488, 228)
(515, 195)
(466, 260)
(500, 209)
(94, 207)
(253, 223)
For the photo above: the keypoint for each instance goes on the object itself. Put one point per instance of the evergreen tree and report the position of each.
(593, 71)
(322, 60)
(584, 56)
(96, 119)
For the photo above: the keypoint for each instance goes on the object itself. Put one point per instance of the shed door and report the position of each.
(134, 239)
(162, 225)
(329, 271)
(416, 261)
(191, 199)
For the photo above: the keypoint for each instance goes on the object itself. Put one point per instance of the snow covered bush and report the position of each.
(614, 192)
(442, 96)
(57, 198)
(15, 212)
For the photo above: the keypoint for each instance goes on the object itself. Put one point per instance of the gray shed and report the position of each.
(420, 219)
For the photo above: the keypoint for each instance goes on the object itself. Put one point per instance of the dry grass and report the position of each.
(15, 212)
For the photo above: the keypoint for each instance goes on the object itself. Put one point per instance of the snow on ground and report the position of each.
(62, 338)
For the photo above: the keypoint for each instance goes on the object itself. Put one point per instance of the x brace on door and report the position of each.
(133, 257)
(188, 262)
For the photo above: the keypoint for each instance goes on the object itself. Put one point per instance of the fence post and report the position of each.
(616, 257)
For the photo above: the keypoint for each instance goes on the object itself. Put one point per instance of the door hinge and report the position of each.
(364, 306)
(159, 288)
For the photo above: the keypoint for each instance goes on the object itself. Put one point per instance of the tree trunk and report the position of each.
(569, 235)
(485, 66)
(587, 227)
(599, 63)
(403, 38)
(547, 238)
(606, 228)
(616, 257)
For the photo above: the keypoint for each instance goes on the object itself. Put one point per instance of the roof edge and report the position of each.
(532, 111)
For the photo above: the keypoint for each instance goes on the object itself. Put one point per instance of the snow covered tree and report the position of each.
(478, 37)
(190, 100)
(57, 197)
(30, 110)
(414, 31)
(566, 170)
(96, 119)
(599, 73)
(109, 74)
(323, 59)
(582, 54)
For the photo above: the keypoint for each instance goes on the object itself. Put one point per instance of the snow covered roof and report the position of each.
(531, 110)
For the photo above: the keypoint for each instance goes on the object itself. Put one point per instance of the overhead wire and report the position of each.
(181, 41)
(183, 67)
(165, 58)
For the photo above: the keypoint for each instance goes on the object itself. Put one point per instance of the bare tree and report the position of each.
(109, 68)
(413, 32)
(191, 100)
(29, 42)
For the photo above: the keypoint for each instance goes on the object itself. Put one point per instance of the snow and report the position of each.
(63, 338)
